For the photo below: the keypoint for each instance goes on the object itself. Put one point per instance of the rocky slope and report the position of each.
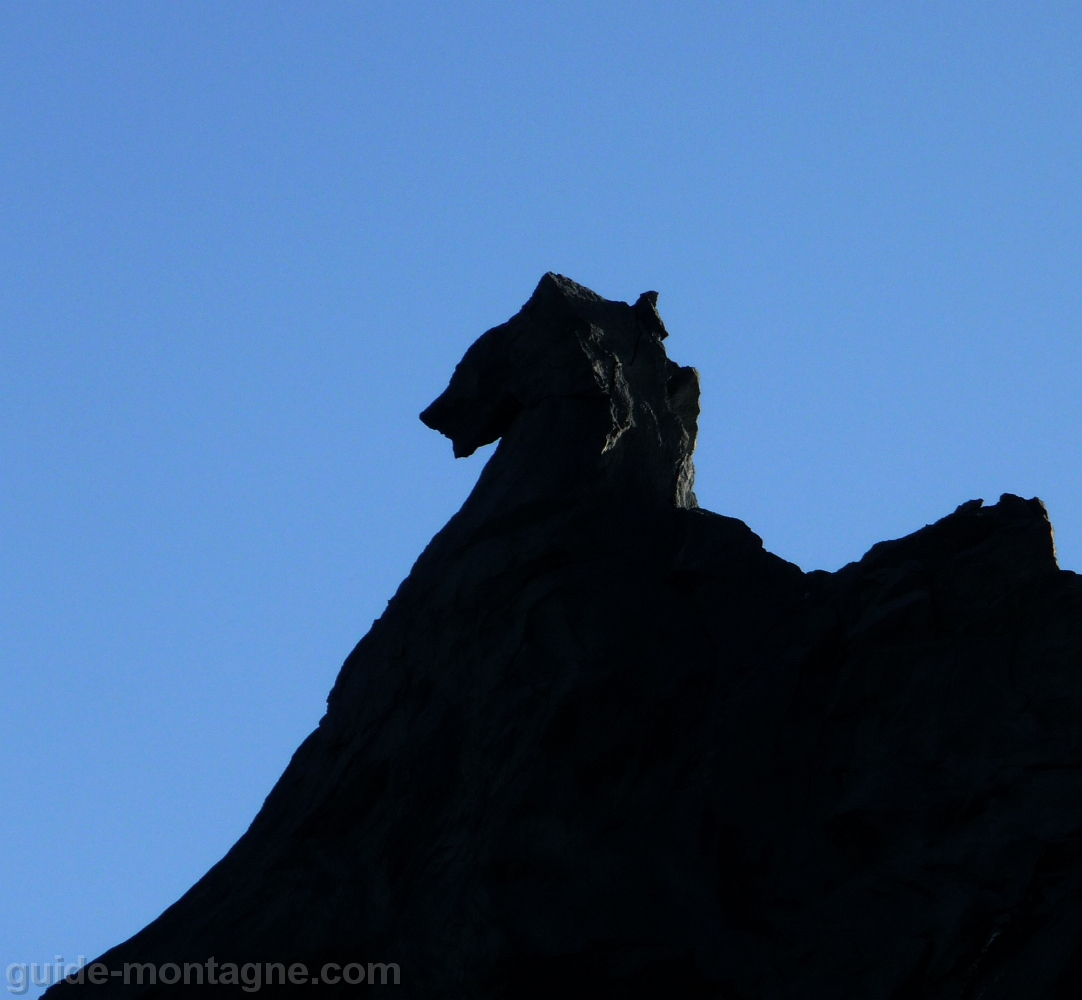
(602, 744)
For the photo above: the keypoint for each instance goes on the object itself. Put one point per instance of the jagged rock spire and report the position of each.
(583, 386)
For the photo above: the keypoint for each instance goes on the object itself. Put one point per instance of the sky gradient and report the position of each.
(244, 245)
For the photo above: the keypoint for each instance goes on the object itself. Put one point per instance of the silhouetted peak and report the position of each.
(603, 744)
(583, 376)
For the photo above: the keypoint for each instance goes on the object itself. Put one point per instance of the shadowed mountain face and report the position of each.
(602, 744)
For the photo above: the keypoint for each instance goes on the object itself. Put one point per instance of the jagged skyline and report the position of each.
(244, 247)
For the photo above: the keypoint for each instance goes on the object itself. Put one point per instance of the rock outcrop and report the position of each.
(603, 744)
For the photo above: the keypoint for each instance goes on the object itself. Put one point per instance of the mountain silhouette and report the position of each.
(603, 744)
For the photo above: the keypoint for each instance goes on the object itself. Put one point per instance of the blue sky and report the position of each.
(244, 245)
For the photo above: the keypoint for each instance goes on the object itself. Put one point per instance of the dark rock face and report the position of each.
(602, 744)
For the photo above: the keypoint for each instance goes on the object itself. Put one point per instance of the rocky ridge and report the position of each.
(603, 744)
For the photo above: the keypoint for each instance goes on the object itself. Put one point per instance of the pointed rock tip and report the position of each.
(645, 310)
(560, 284)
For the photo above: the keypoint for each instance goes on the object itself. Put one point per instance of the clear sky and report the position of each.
(244, 244)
